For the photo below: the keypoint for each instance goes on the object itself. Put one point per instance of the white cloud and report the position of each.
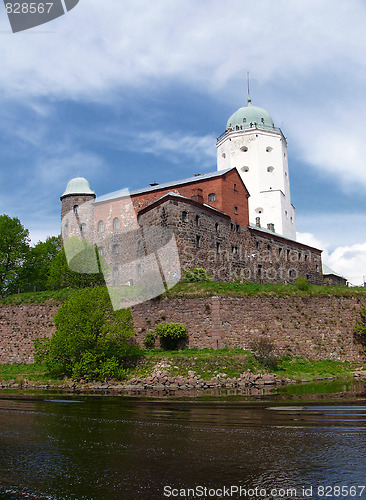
(349, 261)
(174, 146)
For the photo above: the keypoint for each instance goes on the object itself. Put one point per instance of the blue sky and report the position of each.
(128, 93)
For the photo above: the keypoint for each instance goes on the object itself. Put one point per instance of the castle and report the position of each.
(238, 222)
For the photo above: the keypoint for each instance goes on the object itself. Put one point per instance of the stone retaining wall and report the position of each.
(19, 325)
(317, 327)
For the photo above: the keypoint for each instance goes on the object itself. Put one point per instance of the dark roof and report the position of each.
(268, 232)
(171, 195)
(122, 192)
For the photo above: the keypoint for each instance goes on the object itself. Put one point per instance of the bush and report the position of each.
(91, 341)
(149, 340)
(264, 352)
(170, 334)
(302, 283)
(196, 275)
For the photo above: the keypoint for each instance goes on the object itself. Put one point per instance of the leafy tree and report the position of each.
(14, 247)
(35, 270)
(61, 276)
(91, 341)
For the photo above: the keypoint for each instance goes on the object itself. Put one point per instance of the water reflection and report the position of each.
(124, 448)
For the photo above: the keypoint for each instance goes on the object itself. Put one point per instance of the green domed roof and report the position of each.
(250, 116)
(79, 185)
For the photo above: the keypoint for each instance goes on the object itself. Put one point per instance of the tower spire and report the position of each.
(249, 98)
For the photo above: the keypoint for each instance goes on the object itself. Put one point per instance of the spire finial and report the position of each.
(249, 98)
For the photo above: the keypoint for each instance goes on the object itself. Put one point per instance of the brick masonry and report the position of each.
(316, 327)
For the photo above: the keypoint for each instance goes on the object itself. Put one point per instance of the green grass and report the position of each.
(57, 296)
(211, 288)
(299, 368)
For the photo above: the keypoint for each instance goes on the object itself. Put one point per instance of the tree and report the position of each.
(91, 341)
(35, 270)
(14, 247)
(61, 276)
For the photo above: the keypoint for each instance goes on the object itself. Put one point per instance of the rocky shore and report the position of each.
(161, 381)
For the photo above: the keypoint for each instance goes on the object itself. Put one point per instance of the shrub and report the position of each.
(170, 334)
(149, 340)
(302, 283)
(264, 352)
(91, 341)
(196, 275)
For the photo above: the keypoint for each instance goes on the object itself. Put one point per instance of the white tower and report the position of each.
(258, 150)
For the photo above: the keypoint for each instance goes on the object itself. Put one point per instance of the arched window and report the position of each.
(212, 197)
(115, 249)
(83, 228)
(75, 208)
(100, 226)
(116, 223)
(217, 227)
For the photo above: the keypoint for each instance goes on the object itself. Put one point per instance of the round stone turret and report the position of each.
(77, 192)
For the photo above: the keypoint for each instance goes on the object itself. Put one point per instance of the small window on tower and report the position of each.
(269, 149)
(245, 169)
(236, 210)
(235, 187)
(75, 208)
(244, 120)
(270, 169)
(223, 155)
(212, 197)
(244, 149)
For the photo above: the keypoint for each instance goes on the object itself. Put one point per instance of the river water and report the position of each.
(269, 447)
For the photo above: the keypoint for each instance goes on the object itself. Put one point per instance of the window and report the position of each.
(212, 197)
(288, 254)
(232, 226)
(101, 250)
(235, 187)
(259, 210)
(258, 221)
(269, 248)
(270, 169)
(184, 216)
(245, 169)
(238, 228)
(115, 273)
(197, 220)
(115, 249)
(269, 149)
(218, 248)
(306, 257)
(116, 223)
(198, 241)
(280, 252)
(236, 210)
(244, 149)
(216, 227)
(83, 228)
(299, 256)
(257, 245)
(244, 120)
(259, 270)
(223, 155)
(234, 249)
(100, 226)
(75, 208)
